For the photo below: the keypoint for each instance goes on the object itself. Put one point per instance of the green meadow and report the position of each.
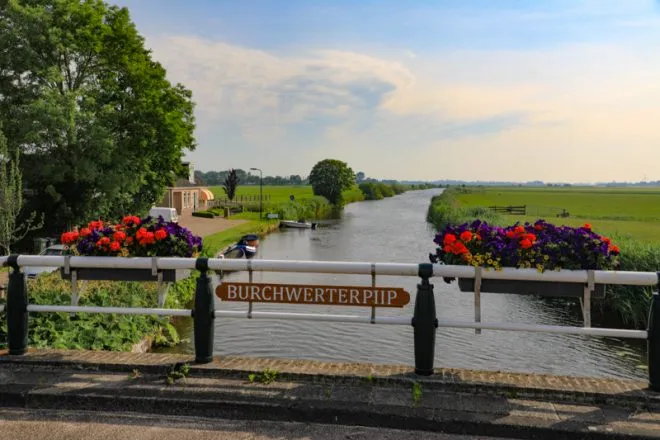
(277, 193)
(623, 212)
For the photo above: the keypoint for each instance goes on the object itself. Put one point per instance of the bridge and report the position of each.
(422, 397)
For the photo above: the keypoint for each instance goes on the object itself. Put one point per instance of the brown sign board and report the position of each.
(319, 295)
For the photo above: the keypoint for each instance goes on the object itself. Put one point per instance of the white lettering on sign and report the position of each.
(333, 295)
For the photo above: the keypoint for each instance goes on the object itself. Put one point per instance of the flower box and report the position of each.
(132, 237)
(540, 246)
(543, 288)
(103, 274)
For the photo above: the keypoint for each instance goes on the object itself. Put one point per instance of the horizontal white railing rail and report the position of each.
(337, 267)
(423, 320)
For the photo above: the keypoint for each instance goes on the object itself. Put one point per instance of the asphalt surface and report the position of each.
(19, 424)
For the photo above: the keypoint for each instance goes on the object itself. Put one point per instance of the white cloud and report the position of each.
(563, 114)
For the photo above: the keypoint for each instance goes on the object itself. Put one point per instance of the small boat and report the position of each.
(300, 224)
(246, 247)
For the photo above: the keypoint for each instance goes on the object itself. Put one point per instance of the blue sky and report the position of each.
(487, 90)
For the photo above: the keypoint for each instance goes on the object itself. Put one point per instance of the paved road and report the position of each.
(19, 424)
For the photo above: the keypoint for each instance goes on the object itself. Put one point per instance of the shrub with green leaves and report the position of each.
(95, 331)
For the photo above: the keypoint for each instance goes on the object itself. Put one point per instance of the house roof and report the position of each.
(185, 183)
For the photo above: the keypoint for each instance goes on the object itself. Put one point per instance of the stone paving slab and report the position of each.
(520, 385)
(365, 403)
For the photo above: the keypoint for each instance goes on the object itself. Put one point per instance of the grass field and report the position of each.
(278, 194)
(624, 212)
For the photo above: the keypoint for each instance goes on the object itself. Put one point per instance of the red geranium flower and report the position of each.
(161, 234)
(131, 220)
(525, 243)
(530, 237)
(459, 248)
(466, 236)
(449, 239)
(85, 232)
(119, 236)
(69, 237)
(94, 225)
(115, 246)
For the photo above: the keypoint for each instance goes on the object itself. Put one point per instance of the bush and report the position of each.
(380, 190)
(203, 214)
(92, 331)
(446, 210)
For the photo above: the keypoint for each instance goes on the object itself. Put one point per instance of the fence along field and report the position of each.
(626, 212)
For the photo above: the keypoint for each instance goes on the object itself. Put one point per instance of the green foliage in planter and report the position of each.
(203, 214)
(89, 331)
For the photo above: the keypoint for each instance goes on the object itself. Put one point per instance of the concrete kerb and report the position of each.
(629, 394)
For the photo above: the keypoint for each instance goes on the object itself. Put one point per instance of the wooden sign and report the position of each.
(319, 295)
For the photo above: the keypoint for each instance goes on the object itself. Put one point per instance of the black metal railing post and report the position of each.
(203, 314)
(17, 314)
(424, 322)
(653, 342)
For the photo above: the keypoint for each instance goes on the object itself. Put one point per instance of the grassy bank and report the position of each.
(627, 305)
(277, 200)
(215, 242)
(626, 212)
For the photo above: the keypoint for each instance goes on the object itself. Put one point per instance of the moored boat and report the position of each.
(300, 224)
(246, 247)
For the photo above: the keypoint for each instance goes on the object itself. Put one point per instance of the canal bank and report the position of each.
(454, 401)
(395, 230)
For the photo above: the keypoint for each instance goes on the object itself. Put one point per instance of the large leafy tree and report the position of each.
(329, 178)
(101, 130)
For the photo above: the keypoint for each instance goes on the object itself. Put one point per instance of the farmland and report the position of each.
(623, 212)
(278, 194)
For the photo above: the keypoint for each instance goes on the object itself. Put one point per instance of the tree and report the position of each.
(360, 176)
(329, 178)
(231, 183)
(295, 179)
(11, 200)
(101, 130)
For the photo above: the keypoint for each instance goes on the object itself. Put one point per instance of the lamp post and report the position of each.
(261, 192)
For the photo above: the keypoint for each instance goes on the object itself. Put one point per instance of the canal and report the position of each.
(395, 230)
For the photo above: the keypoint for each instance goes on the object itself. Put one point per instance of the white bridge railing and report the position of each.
(423, 319)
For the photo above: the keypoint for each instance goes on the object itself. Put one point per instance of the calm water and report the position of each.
(394, 230)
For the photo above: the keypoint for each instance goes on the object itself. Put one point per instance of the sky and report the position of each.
(561, 90)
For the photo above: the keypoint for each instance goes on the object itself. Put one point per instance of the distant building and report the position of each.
(189, 193)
